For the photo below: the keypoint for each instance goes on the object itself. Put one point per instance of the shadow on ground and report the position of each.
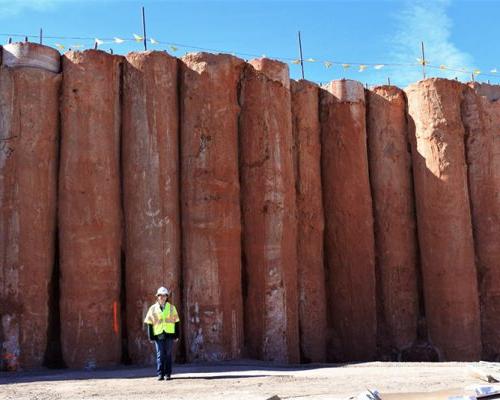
(219, 370)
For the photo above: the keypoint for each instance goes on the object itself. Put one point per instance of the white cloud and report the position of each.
(9, 8)
(426, 21)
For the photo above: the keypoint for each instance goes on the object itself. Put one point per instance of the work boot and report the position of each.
(161, 378)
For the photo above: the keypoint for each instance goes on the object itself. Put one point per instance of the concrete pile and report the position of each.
(310, 221)
(268, 212)
(394, 217)
(150, 176)
(349, 235)
(211, 220)
(443, 216)
(29, 137)
(292, 222)
(481, 116)
(90, 212)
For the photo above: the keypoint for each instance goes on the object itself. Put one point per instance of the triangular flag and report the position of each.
(327, 64)
(76, 46)
(476, 72)
(442, 66)
(173, 48)
(362, 68)
(263, 56)
(99, 41)
(379, 66)
(421, 61)
(153, 41)
(118, 40)
(346, 66)
(59, 46)
(138, 38)
(494, 71)
(296, 62)
(311, 60)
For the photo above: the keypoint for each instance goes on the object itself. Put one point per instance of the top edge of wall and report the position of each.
(303, 83)
(33, 55)
(385, 87)
(434, 81)
(491, 92)
(149, 53)
(275, 70)
(346, 90)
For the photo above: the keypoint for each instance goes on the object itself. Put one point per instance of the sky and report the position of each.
(372, 41)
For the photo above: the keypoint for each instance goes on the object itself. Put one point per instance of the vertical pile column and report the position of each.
(269, 212)
(210, 204)
(29, 134)
(90, 210)
(394, 216)
(310, 220)
(150, 189)
(481, 116)
(443, 218)
(349, 237)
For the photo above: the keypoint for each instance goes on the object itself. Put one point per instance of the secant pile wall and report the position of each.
(291, 222)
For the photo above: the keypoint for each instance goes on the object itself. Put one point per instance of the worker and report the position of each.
(163, 325)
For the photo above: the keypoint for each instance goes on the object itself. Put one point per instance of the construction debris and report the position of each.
(486, 371)
(369, 395)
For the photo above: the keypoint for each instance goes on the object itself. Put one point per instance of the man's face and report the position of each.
(162, 299)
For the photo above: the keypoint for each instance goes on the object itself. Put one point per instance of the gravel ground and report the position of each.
(246, 380)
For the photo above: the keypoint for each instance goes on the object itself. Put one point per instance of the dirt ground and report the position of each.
(246, 380)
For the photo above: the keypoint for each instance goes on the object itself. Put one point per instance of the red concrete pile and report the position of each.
(150, 170)
(349, 238)
(268, 208)
(29, 135)
(292, 223)
(310, 221)
(211, 221)
(443, 217)
(481, 116)
(394, 217)
(90, 230)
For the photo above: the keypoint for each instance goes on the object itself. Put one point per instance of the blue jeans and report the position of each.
(164, 356)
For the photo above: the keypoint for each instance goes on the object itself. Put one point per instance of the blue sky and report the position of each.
(457, 34)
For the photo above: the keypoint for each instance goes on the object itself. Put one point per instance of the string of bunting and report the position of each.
(174, 47)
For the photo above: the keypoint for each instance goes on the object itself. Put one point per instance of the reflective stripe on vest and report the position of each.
(166, 321)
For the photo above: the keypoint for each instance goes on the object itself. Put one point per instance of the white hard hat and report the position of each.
(162, 290)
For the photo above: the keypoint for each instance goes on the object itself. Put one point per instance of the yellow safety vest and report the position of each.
(162, 321)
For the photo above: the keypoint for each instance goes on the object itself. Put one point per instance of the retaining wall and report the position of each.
(292, 222)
